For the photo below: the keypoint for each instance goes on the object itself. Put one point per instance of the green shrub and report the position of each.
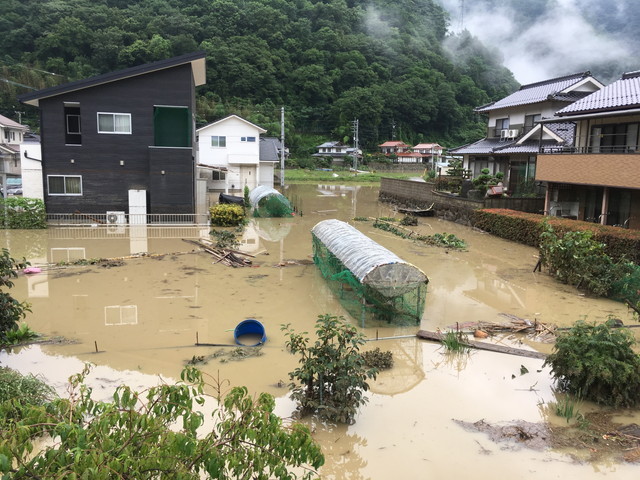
(11, 310)
(22, 213)
(333, 373)
(227, 215)
(23, 388)
(597, 363)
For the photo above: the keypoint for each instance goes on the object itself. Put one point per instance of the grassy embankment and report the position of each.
(299, 175)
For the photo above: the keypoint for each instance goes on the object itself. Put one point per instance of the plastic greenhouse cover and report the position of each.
(260, 192)
(368, 261)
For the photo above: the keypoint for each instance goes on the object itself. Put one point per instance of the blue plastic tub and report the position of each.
(250, 333)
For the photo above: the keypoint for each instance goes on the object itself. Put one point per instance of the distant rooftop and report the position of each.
(561, 89)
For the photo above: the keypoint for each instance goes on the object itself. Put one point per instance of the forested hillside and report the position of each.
(326, 61)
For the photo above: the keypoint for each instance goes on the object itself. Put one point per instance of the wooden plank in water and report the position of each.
(491, 347)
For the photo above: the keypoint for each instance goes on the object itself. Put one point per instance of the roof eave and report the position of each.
(196, 59)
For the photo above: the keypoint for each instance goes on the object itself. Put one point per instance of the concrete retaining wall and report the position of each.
(412, 194)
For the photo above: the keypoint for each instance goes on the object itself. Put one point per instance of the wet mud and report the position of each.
(145, 316)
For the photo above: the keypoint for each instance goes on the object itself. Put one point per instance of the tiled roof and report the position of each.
(536, 92)
(566, 131)
(394, 143)
(486, 146)
(269, 149)
(530, 146)
(7, 122)
(620, 95)
(427, 145)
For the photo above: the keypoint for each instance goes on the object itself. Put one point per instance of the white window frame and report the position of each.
(218, 137)
(114, 115)
(69, 132)
(248, 139)
(65, 186)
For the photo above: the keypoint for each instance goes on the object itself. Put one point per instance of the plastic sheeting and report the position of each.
(368, 261)
(260, 192)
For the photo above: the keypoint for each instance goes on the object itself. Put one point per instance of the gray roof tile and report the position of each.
(537, 92)
(620, 95)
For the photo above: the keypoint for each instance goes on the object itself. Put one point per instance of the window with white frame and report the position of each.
(64, 184)
(218, 141)
(118, 123)
(218, 175)
(247, 139)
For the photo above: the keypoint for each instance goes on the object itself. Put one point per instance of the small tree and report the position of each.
(152, 435)
(333, 373)
(597, 363)
(11, 310)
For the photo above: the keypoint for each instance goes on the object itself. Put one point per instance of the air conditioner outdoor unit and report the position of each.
(512, 133)
(116, 218)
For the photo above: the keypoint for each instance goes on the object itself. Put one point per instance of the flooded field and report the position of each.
(144, 314)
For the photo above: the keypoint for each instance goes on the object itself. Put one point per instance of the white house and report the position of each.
(11, 135)
(228, 156)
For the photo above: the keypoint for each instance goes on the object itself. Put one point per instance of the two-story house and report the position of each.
(11, 136)
(515, 134)
(232, 155)
(122, 139)
(338, 152)
(392, 147)
(598, 178)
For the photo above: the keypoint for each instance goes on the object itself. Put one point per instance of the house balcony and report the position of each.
(602, 169)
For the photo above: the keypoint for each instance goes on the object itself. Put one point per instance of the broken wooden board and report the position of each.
(491, 347)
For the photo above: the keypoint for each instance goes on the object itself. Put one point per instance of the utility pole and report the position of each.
(393, 129)
(356, 125)
(282, 147)
(19, 116)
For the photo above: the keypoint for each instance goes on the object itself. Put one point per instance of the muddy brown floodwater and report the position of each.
(144, 317)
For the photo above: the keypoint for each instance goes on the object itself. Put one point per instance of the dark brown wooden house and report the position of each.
(131, 130)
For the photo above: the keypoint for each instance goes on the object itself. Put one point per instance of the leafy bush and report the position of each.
(225, 238)
(597, 363)
(23, 213)
(135, 435)
(25, 389)
(21, 334)
(227, 215)
(483, 181)
(333, 373)
(11, 310)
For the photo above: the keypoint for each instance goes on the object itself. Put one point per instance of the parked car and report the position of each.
(14, 190)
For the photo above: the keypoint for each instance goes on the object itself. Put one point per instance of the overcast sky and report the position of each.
(560, 42)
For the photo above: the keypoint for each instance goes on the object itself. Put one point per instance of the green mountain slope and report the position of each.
(327, 61)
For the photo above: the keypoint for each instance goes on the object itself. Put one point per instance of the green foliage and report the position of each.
(157, 433)
(23, 213)
(333, 374)
(483, 181)
(325, 60)
(21, 334)
(568, 408)
(11, 310)
(247, 202)
(446, 240)
(273, 206)
(21, 389)
(455, 341)
(227, 215)
(597, 363)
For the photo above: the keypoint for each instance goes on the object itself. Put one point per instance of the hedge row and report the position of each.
(526, 228)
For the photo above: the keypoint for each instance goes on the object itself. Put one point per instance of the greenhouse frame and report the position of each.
(371, 282)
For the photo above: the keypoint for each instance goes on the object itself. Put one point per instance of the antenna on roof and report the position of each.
(461, 14)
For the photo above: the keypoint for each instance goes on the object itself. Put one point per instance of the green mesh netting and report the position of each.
(627, 288)
(399, 299)
(268, 202)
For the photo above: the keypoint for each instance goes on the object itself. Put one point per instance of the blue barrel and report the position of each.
(253, 332)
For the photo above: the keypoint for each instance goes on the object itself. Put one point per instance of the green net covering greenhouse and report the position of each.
(372, 283)
(268, 202)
